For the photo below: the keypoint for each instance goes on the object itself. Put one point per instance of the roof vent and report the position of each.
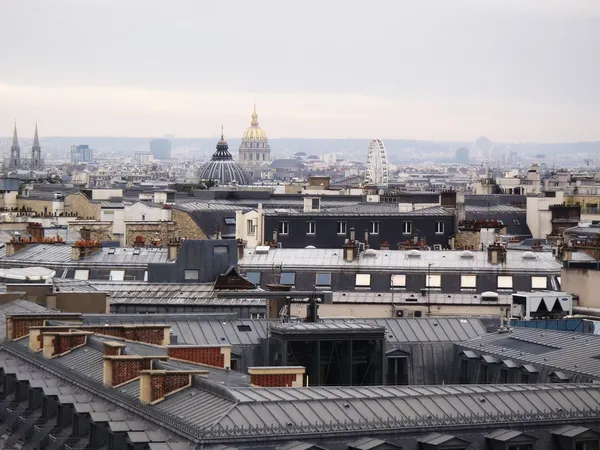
(262, 249)
(310, 247)
(413, 254)
(370, 252)
(529, 255)
(467, 254)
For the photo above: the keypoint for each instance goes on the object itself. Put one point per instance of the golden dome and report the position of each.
(254, 133)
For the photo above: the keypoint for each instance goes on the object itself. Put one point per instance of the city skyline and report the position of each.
(507, 70)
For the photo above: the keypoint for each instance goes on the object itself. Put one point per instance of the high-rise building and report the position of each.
(462, 155)
(143, 157)
(81, 154)
(254, 149)
(160, 148)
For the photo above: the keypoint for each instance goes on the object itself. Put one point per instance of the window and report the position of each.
(503, 376)
(191, 275)
(341, 228)
(464, 370)
(524, 378)
(539, 282)
(397, 371)
(221, 249)
(312, 227)
(145, 275)
(287, 278)
(483, 376)
(407, 227)
(257, 315)
(374, 227)
(229, 220)
(250, 226)
(468, 281)
(439, 227)
(398, 281)
(117, 275)
(587, 445)
(505, 282)
(323, 279)
(315, 203)
(363, 280)
(433, 281)
(82, 275)
(253, 277)
(284, 227)
(244, 328)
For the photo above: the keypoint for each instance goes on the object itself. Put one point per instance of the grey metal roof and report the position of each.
(328, 407)
(368, 209)
(50, 255)
(569, 352)
(390, 260)
(442, 329)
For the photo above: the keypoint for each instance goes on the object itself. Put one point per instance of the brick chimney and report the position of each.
(139, 242)
(112, 348)
(83, 249)
(57, 343)
(36, 343)
(217, 356)
(36, 230)
(122, 369)
(156, 385)
(241, 244)
(448, 199)
(174, 245)
(291, 376)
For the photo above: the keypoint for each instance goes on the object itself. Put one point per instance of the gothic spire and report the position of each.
(15, 142)
(36, 139)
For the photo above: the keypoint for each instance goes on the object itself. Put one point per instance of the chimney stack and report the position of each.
(174, 245)
(496, 253)
(155, 385)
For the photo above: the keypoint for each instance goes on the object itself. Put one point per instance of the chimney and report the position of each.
(86, 233)
(56, 343)
(448, 199)
(496, 253)
(112, 348)
(139, 242)
(82, 249)
(122, 369)
(240, 248)
(352, 234)
(271, 376)
(216, 356)
(36, 231)
(275, 235)
(174, 245)
(36, 342)
(156, 385)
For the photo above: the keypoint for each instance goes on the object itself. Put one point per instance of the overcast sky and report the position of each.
(512, 70)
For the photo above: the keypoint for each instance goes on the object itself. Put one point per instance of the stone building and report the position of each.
(15, 161)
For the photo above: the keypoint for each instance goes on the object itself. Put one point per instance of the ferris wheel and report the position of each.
(377, 164)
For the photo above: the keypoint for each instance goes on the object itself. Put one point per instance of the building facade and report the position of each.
(81, 154)
(160, 148)
(15, 161)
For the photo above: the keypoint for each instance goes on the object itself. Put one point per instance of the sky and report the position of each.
(511, 70)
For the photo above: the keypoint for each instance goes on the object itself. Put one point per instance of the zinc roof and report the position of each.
(388, 260)
(569, 352)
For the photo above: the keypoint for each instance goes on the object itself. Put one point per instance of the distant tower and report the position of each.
(377, 165)
(36, 151)
(15, 151)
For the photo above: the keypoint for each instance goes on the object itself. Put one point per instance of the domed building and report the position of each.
(222, 168)
(254, 149)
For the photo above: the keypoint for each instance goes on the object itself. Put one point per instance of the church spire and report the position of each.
(15, 142)
(36, 139)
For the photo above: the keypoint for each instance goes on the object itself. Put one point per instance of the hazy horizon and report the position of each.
(432, 70)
